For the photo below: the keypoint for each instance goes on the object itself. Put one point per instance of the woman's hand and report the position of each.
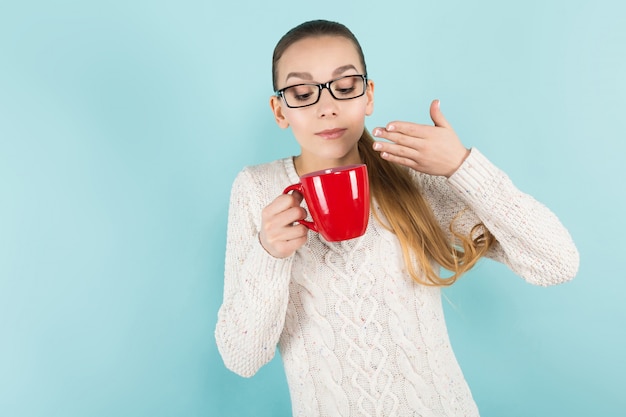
(434, 150)
(279, 235)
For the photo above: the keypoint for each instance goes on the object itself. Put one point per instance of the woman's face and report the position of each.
(328, 131)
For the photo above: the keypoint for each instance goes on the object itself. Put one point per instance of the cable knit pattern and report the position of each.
(357, 335)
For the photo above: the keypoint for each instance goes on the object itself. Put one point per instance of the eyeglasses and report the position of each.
(343, 88)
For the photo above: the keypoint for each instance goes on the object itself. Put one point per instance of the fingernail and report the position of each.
(377, 146)
(376, 132)
(390, 128)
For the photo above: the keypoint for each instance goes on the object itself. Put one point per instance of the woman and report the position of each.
(359, 323)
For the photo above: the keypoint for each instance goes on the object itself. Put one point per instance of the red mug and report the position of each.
(338, 200)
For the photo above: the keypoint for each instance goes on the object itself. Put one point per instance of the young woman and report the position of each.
(359, 323)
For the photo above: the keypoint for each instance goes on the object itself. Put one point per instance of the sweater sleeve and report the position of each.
(256, 286)
(531, 240)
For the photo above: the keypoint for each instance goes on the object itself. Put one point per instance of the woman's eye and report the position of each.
(345, 90)
(345, 87)
(300, 93)
(303, 97)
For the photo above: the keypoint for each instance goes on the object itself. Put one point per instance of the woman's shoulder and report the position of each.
(268, 170)
(261, 168)
(268, 176)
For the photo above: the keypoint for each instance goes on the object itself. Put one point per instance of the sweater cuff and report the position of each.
(476, 178)
(267, 278)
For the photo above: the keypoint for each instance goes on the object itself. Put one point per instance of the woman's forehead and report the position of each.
(318, 56)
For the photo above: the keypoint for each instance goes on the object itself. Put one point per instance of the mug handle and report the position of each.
(298, 187)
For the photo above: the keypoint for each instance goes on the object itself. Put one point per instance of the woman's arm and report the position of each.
(530, 238)
(256, 286)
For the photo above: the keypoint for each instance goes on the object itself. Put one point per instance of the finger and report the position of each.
(282, 243)
(415, 130)
(298, 197)
(287, 217)
(400, 150)
(282, 203)
(287, 248)
(279, 227)
(295, 232)
(402, 160)
(399, 139)
(437, 116)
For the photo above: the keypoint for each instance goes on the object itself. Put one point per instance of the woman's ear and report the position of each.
(277, 109)
(369, 93)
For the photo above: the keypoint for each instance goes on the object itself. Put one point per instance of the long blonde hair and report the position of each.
(401, 202)
(410, 218)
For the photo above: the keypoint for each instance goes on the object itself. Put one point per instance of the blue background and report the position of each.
(123, 124)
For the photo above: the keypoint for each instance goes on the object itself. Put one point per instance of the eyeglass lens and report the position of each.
(345, 88)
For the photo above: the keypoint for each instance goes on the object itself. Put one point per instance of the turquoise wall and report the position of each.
(123, 124)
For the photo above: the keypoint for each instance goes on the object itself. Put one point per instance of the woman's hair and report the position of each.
(398, 196)
(312, 29)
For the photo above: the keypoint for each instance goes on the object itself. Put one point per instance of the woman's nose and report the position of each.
(327, 105)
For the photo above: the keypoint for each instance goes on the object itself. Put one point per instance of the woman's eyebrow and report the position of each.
(302, 75)
(343, 69)
(308, 76)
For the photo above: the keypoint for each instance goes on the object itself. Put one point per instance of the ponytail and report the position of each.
(411, 219)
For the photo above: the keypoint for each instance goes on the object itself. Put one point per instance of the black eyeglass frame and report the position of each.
(280, 93)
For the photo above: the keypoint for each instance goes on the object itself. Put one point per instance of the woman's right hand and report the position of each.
(279, 236)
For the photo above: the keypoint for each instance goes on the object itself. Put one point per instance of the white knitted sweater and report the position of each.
(358, 337)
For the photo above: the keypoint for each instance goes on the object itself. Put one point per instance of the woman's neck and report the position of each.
(305, 164)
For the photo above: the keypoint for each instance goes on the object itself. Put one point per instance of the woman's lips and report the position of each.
(331, 133)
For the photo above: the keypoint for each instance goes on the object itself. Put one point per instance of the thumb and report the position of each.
(437, 116)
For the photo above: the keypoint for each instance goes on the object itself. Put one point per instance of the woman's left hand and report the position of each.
(434, 150)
